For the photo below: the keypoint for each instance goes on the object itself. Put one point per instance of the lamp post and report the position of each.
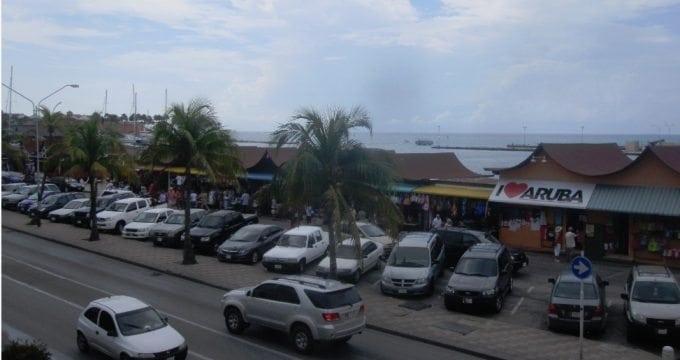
(37, 142)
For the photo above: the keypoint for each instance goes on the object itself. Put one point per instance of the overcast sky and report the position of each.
(418, 66)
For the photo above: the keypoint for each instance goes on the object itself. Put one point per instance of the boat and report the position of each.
(424, 142)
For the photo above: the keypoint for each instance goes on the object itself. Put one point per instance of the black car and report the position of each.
(249, 243)
(67, 184)
(81, 217)
(216, 227)
(458, 239)
(54, 202)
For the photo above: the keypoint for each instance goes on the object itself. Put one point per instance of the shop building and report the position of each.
(620, 208)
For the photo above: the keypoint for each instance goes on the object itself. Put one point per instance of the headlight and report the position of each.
(489, 292)
(639, 317)
(205, 238)
(181, 237)
(450, 289)
(386, 279)
(421, 281)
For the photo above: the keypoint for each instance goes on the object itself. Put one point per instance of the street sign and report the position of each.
(581, 267)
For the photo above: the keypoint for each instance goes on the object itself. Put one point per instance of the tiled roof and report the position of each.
(431, 166)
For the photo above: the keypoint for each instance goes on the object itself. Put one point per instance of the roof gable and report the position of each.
(429, 166)
(586, 159)
(668, 154)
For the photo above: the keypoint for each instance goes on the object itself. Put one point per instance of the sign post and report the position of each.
(582, 268)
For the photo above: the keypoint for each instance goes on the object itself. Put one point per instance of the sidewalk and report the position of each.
(481, 336)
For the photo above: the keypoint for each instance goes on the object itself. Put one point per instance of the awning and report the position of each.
(468, 192)
(404, 188)
(636, 200)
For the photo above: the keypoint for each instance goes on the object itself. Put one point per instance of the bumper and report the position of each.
(106, 225)
(569, 324)
(236, 257)
(81, 221)
(461, 299)
(205, 246)
(273, 265)
(135, 235)
(347, 276)
(169, 241)
(415, 289)
(332, 332)
(651, 331)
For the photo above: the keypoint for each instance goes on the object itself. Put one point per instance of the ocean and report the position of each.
(474, 159)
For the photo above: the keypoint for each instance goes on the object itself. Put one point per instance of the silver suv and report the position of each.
(652, 302)
(308, 308)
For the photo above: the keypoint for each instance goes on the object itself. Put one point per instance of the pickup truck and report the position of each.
(296, 248)
(81, 217)
(122, 212)
(216, 227)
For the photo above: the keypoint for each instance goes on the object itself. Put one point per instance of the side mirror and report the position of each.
(551, 280)
(248, 293)
(624, 296)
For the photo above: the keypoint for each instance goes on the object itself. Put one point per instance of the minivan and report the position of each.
(413, 265)
(482, 277)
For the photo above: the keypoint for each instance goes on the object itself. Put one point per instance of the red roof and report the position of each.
(431, 166)
(587, 159)
(668, 154)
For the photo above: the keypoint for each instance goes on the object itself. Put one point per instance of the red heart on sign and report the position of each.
(513, 189)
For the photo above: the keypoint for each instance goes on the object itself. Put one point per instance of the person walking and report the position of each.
(554, 236)
(570, 242)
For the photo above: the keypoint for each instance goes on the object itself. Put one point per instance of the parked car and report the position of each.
(458, 239)
(53, 202)
(308, 309)
(10, 201)
(26, 204)
(482, 277)
(121, 212)
(168, 232)
(141, 225)
(375, 233)
(65, 214)
(123, 327)
(565, 299)
(414, 265)
(216, 227)
(348, 267)
(81, 217)
(249, 243)
(296, 248)
(651, 303)
(11, 188)
(67, 184)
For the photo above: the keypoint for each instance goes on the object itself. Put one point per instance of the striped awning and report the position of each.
(636, 200)
(469, 192)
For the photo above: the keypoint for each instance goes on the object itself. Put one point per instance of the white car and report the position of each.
(348, 267)
(140, 225)
(123, 327)
(296, 248)
(64, 214)
(376, 233)
(121, 212)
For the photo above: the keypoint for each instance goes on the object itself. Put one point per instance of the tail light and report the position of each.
(552, 309)
(598, 311)
(331, 316)
(362, 310)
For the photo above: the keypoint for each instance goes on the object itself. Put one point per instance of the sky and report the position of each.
(450, 66)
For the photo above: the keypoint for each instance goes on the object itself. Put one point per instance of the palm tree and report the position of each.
(53, 121)
(15, 156)
(96, 151)
(335, 170)
(193, 138)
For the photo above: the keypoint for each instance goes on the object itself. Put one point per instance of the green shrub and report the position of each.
(25, 350)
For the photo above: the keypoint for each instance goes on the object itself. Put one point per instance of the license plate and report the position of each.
(159, 239)
(229, 257)
(662, 331)
(524, 264)
(78, 222)
(467, 300)
(402, 291)
(278, 266)
(576, 314)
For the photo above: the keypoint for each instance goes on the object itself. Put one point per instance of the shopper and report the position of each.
(570, 242)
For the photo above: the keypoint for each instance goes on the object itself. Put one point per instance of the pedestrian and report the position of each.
(436, 222)
(570, 242)
(245, 201)
(193, 197)
(203, 200)
(554, 236)
(274, 208)
(309, 212)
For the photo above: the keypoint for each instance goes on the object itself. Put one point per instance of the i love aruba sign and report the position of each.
(543, 193)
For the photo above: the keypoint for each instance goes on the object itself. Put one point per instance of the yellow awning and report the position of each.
(469, 192)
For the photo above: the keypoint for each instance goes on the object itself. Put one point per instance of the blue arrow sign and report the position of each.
(581, 267)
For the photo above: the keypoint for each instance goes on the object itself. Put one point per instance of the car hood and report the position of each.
(398, 272)
(201, 231)
(155, 341)
(656, 310)
(385, 240)
(139, 225)
(475, 283)
(237, 245)
(61, 212)
(168, 228)
(285, 252)
(15, 197)
(343, 264)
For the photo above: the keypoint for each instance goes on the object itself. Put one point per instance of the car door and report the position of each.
(317, 247)
(89, 326)
(370, 256)
(262, 305)
(106, 334)
(130, 212)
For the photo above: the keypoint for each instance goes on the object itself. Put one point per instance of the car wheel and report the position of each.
(119, 227)
(83, 345)
(234, 321)
(301, 266)
(498, 304)
(255, 258)
(302, 339)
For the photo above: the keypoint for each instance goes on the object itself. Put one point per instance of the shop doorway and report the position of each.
(619, 234)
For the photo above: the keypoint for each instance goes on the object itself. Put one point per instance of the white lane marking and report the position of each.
(217, 332)
(531, 288)
(517, 305)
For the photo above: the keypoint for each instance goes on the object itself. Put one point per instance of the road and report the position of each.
(46, 285)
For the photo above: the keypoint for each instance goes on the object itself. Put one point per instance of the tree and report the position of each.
(335, 170)
(193, 138)
(20, 350)
(96, 151)
(15, 156)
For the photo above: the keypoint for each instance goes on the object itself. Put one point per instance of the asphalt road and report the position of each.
(46, 285)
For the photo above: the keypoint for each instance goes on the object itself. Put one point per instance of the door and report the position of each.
(90, 328)
(271, 304)
(317, 248)
(370, 256)
(106, 327)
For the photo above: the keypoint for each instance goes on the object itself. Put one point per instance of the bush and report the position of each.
(25, 350)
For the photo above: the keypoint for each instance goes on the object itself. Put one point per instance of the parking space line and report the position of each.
(517, 305)
(531, 288)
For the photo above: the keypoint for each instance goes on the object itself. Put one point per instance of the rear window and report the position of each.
(572, 290)
(334, 299)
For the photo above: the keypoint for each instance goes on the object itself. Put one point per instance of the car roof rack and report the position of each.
(302, 281)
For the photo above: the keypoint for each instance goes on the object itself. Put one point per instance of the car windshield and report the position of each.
(175, 219)
(333, 299)
(476, 267)
(49, 200)
(656, 292)
(298, 241)
(146, 217)
(75, 204)
(246, 234)
(33, 196)
(572, 290)
(371, 230)
(139, 321)
(117, 207)
(346, 252)
(26, 190)
(408, 256)
(102, 203)
(211, 222)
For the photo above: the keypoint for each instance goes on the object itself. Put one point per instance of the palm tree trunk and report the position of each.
(94, 232)
(333, 271)
(189, 257)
